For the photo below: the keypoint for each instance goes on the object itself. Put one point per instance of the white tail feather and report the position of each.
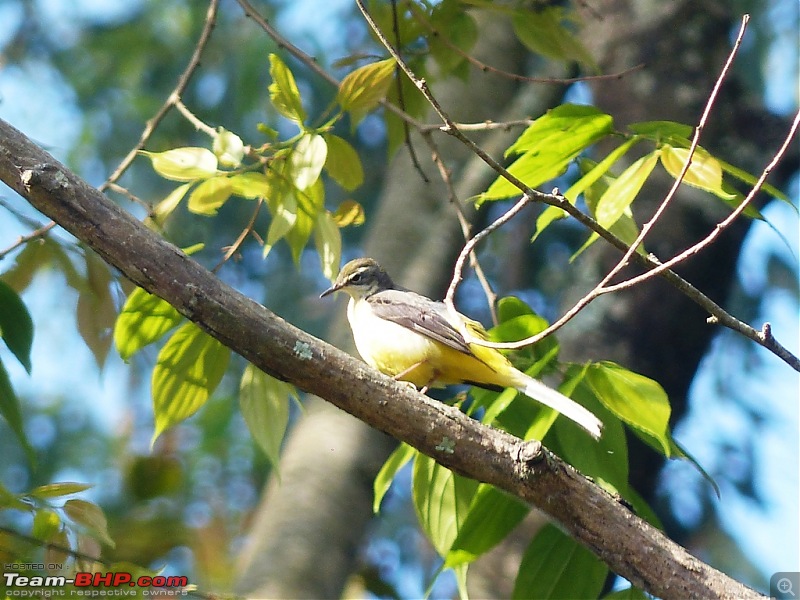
(558, 402)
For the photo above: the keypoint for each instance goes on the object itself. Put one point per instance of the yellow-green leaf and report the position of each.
(91, 517)
(144, 319)
(364, 88)
(307, 160)
(184, 164)
(164, 208)
(188, 369)
(228, 147)
(207, 197)
(46, 523)
(54, 490)
(383, 480)
(328, 241)
(621, 193)
(250, 185)
(704, 172)
(441, 499)
(349, 212)
(284, 216)
(283, 92)
(265, 408)
(343, 163)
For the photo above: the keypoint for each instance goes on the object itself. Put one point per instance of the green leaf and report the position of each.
(637, 400)
(549, 144)
(383, 480)
(556, 566)
(328, 241)
(307, 159)
(91, 517)
(16, 325)
(310, 204)
(228, 148)
(704, 172)
(663, 131)
(621, 193)
(42, 253)
(441, 501)
(207, 197)
(250, 185)
(144, 319)
(96, 310)
(542, 32)
(604, 460)
(549, 215)
(283, 92)
(165, 208)
(184, 164)
(12, 501)
(46, 523)
(454, 27)
(492, 516)
(55, 490)
(349, 212)
(11, 412)
(343, 163)
(265, 407)
(598, 171)
(361, 90)
(284, 216)
(188, 369)
(749, 179)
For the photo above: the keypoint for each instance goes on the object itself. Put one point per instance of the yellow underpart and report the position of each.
(394, 350)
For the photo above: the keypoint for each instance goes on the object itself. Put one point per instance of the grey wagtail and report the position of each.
(412, 338)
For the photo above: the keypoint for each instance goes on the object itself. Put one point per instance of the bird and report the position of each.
(412, 338)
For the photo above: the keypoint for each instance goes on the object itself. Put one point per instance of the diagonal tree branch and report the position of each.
(630, 546)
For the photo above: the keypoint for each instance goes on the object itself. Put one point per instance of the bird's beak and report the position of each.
(334, 288)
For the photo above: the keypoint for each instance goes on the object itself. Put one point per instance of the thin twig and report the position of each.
(192, 118)
(466, 228)
(482, 66)
(401, 101)
(173, 98)
(650, 262)
(39, 232)
(693, 146)
(240, 240)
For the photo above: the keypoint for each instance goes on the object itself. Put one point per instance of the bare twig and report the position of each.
(192, 118)
(37, 233)
(240, 240)
(650, 262)
(482, 66)
(173, 98)
(466, 228)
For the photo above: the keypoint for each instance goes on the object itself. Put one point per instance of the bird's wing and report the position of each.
(420, 314)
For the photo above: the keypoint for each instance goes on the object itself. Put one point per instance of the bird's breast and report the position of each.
(392, 348)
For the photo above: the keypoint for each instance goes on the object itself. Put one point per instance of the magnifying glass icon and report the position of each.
(784, 586)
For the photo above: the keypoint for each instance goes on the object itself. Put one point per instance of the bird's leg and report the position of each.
(404, 372)
(424, 389)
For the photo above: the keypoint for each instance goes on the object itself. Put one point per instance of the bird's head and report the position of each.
(360, 278)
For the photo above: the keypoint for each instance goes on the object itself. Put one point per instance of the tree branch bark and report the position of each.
(630, 546)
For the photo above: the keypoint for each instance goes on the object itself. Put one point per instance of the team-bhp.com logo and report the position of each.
(23, 583)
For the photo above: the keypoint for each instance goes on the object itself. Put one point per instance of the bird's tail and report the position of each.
(558, 402)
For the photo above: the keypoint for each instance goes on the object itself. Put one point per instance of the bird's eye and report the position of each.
(357, 277)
